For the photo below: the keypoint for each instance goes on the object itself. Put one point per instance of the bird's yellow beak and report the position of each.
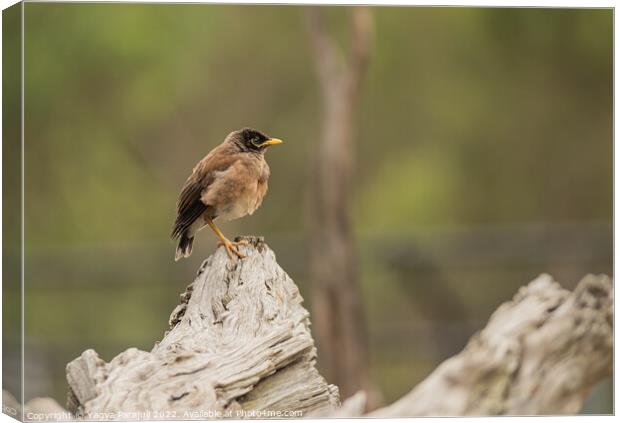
(272, 141)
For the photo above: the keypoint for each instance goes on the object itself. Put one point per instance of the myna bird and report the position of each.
(229, 182)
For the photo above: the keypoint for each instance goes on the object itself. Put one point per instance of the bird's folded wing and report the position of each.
(189, 205)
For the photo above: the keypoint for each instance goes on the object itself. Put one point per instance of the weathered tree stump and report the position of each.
(239, 345)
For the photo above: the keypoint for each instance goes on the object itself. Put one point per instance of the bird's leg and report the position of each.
(231, 247)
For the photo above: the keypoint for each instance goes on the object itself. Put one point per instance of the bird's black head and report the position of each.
(249, 139)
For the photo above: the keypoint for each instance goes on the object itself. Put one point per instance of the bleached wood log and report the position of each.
(239, 343)
(540, 353)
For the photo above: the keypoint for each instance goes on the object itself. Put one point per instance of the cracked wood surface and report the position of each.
(238, 342)
(539, 354)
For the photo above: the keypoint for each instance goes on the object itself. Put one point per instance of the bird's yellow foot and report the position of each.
(232, 247)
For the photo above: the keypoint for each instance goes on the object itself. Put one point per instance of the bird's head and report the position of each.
(251, 140)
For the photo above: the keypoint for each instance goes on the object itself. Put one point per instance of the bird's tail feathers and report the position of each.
(184, 249)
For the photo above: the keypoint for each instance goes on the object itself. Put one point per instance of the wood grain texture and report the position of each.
(539, 354)
(238, 341)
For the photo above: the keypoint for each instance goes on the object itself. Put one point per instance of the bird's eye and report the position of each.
(255, 141)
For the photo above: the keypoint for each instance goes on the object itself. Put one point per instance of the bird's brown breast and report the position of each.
(239, 189)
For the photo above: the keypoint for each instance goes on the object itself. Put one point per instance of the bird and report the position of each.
(229, 182)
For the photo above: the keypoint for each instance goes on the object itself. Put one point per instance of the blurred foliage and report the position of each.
(471, 119)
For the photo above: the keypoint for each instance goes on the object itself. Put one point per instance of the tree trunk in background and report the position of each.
(340, 325)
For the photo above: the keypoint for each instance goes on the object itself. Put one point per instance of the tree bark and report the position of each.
(239, 345)
(540, 353)
(336, 298)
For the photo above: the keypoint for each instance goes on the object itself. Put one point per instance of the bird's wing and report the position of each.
(189, 205)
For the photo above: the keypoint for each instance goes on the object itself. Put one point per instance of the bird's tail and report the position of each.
(184, 249)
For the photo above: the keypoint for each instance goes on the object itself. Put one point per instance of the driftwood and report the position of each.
(240, 346)
(540, 353)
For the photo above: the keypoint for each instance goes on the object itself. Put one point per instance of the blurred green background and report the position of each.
(484, 157)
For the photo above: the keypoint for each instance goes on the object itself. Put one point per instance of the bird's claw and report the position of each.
(232, 248)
